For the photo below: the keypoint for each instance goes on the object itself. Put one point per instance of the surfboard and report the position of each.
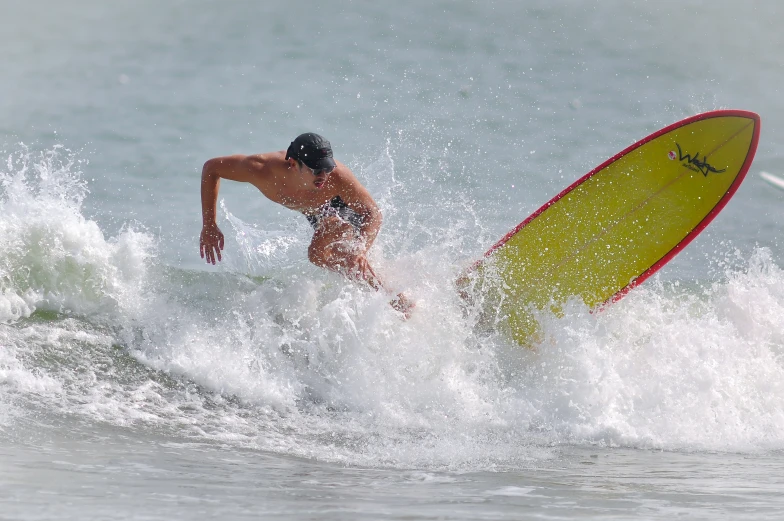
(774, 180)
(617, 225)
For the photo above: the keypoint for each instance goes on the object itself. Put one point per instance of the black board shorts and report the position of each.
(337, 207)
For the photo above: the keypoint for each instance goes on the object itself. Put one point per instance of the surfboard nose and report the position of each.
(617, 225)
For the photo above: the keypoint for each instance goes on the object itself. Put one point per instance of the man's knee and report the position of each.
(316, 254)
(330, 240)
(325, 254)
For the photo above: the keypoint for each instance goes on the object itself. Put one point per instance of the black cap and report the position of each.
(313, 150)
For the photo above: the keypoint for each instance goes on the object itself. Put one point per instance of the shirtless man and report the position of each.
(307, 179)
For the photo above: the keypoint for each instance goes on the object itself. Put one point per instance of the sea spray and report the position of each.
(669, 368)
(53, 257)
(274, 354)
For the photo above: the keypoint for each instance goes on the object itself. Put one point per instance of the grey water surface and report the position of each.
(136, 382)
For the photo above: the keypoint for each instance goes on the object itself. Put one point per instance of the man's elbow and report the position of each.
(211, 171)
(209, 167)
(375, 217)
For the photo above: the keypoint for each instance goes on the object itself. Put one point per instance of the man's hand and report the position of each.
(211, 242)
(358, 268)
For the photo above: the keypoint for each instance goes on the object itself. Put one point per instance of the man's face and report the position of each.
(317, 177)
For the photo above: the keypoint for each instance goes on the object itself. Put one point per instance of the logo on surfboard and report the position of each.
(694, 163)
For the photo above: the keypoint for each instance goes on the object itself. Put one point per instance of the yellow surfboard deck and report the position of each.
(620, 223)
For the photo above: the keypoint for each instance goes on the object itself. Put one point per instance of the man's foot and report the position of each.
(403, 304)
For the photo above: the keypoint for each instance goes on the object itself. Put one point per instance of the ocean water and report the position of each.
(136, 382)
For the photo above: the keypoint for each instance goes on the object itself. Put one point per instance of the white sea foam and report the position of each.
(298, 361)
(667, 368)
(56, 259)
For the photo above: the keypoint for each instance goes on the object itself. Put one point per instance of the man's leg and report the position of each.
(335, 246)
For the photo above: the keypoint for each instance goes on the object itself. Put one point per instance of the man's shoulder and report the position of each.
(344, 174)
(265, 161)
(264, 166)
(345, 183)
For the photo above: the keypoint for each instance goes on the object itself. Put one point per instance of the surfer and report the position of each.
(307, 179)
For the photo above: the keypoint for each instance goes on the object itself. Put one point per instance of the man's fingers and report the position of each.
(209, 251)
(211, 242)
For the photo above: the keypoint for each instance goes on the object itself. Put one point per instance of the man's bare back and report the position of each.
(306, 179)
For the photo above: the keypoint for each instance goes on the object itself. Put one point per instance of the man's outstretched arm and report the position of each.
(236, 168)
